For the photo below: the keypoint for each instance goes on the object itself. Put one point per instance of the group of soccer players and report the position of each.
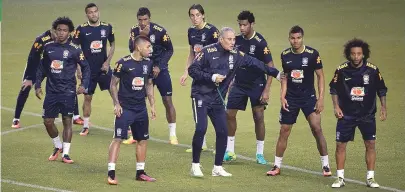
(227, 71)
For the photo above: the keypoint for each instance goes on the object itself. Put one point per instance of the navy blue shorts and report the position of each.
(102, 79)
(58, 103)
(346, 127)
(164, 83)
(294, 107)
(238, 97)
(137, 120)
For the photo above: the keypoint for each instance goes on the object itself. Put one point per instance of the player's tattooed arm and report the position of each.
(114, 89)
(151, 97)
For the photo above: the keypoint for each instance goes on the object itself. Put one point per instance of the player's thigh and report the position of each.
(217, 115)
(345, 129)
(140, 129)
(199, 108)
(308, 106)
(255, 94)
(122, 123)
(237, 98)
(92, 85)
(289, 117)
(368, 128)
(67, 104)
(51, 106)
(164, 83)
(104, 80)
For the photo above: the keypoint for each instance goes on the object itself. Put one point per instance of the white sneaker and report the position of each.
(196, 170)
(371, 183)
(340, 182)
(220, 171)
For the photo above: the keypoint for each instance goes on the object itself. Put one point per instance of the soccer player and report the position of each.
(92, 36)
(58, 65)
(249, 83)
(354, 88)
(162, 52)
(212, 70)
(33, 60)
(299, 63)
(200, 35)
(134, 74)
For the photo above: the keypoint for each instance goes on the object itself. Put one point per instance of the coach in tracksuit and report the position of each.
(212, 71)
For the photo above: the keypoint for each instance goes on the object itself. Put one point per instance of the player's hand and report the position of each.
(319, 106)
(105, 67)
(338, 112)
(284, 104)
(26, 83)
(219, 78)
(383, 114)
(79, 74)
(183, 79)
(80, 90)
(38, 93)
(145, 31)
(156, 71)
(265, 96)
(117, 110)
(153, 113)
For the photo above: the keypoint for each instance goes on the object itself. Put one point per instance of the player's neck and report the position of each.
(62, 42)
(201, 25)
(250, 35)
(299, 50)
(136, 56)
(94, 24)
(357, 66)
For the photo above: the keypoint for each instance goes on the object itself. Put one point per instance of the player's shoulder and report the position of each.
(104, 23)
(211, 48)
(49, 43)
(210, 27)
(157, 27)
(85, 24)
(286, 52)
(74, 46)
(311, 50)
(259, 38)
(343, 66)
(44, 37)
(371, 66)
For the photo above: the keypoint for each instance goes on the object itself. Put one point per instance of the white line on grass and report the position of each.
(238, 156)
(33, 186)
(27, 127)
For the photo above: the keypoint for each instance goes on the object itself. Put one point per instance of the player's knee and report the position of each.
(88, 98)
(116, 140)
(141, 142)
(340, 147)
(258, 117)
(231, 115)
(48, 122)
(316, 130)
(370, 145)
(167, 101)
(285, 130)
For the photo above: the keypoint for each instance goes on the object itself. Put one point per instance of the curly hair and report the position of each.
(246, 15)
(63, 21)
(356, 43)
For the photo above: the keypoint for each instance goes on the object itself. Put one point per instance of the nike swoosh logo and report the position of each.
(347, 79)
(88, 33)
(289, 62)
(131, 69)
(215, 58)
(50, 52)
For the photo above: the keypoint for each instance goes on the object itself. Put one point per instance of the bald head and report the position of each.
(227, 38)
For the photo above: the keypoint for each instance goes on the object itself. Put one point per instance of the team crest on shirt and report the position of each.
(231, 62)
(305, 61)
(145, 69)
(366, 79)
(65, 54)
(103, 32)
(252, 49)
(203, 37)
(152, 38)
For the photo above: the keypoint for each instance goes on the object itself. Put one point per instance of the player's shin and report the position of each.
(113, 152)
(21, 100)
(51, 127)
